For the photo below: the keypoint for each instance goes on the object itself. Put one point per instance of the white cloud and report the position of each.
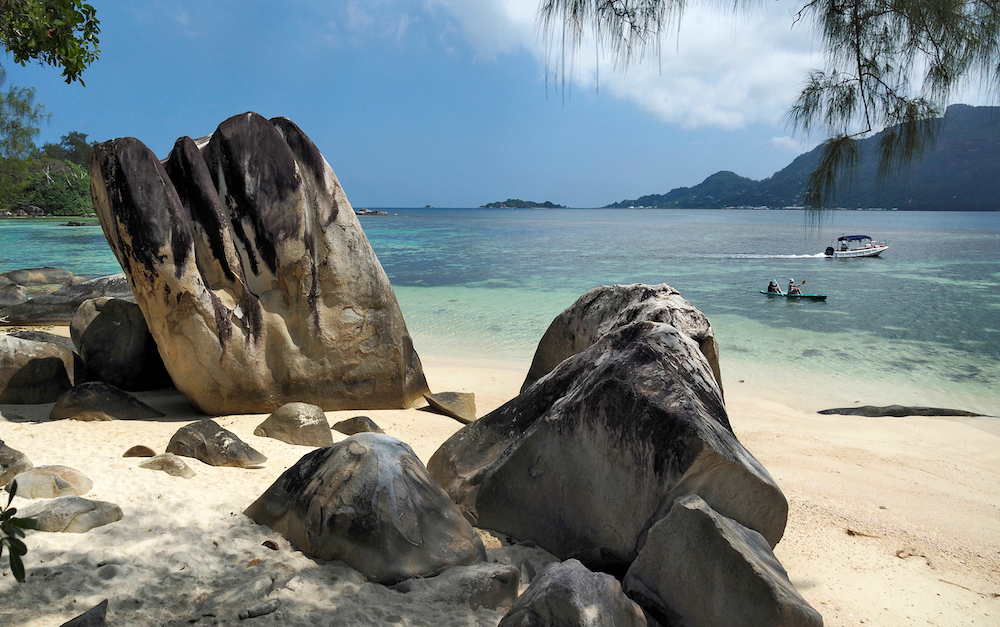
(719, 70)
(791, 144)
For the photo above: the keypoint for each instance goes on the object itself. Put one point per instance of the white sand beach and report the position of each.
(892, 521)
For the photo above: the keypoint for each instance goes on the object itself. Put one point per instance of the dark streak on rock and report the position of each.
(260, 177)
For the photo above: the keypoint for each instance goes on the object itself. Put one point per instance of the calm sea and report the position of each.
(485, 283)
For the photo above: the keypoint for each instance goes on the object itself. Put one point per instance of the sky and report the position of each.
(449, 103)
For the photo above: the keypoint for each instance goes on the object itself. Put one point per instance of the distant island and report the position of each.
(958, 174)
(517, 203)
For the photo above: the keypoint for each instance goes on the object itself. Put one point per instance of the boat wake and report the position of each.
(760, 256)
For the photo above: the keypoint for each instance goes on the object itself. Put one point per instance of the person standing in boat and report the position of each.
(793, 287)
(772, 287)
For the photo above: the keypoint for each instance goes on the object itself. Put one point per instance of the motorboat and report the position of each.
(855, 246)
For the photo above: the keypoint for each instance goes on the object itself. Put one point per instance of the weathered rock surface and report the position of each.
(207, 441)
(46, 482)
(458, 405)
(116, 346)
(357, 424)
(64, 343)
(33, 372)
(609, 307)
(39, 276)
(588, 458)
(139, 450)
(70, 514)
(253, 271)
(369, 502)
(701, 568)
(297, 423)
(897, 411)
(485, 584)
(13, 295)
(570, 595)
(170, 464)
(99, 401)
(59, 307)
(12, 462)
(94, 617)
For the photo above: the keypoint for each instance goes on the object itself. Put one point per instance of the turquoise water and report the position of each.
(485, 283)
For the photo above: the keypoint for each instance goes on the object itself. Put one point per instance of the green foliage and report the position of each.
(891, 64)
(517, 203)
(62, 189)
(11, 531)
(20, 117)
(74, 147)
(60, 33)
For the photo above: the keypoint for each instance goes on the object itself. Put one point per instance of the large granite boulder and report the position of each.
(63, 344)
(253, 272)
(60, 306)
(297, 423)
(570, 595)
(369, 502)
(701, 568)
(97, 401)
(609, 307)
(116, 345)
(589, 457)
(33, 372)
(208, 441)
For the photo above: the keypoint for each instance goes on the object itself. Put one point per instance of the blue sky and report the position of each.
(451, 103)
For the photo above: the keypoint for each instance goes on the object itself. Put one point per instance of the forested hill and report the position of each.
(961, 172)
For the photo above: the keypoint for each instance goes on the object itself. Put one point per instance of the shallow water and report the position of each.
(485, 283)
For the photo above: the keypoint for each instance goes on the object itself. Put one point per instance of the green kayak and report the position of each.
(793, 296)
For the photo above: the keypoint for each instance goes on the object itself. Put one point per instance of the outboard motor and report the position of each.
(829, 251)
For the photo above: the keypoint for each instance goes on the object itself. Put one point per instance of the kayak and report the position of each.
(794, 296)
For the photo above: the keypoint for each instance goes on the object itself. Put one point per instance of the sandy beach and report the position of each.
(892, 521)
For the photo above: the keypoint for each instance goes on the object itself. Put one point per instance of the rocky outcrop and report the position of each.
(458, 405)
(12, 462)
(701, 568)
(483, 584)
(94, 617)
(99, 401)
(11, 295)
(33, 372)
(357, 424)
(60, 306)
(369, 502)
(39, 276)
(71, 514)
(594, 453)
(253, 272)
(207, 441)
(570, 595)
(897, 411)
(46, 482)
(170, 464)
(609, 307)
(116, 346)
(139, 450)
(297, 423)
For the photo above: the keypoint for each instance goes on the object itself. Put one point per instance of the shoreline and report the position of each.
(892, 521)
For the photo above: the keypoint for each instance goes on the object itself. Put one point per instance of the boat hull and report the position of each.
(796, 296)
(874, 251)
